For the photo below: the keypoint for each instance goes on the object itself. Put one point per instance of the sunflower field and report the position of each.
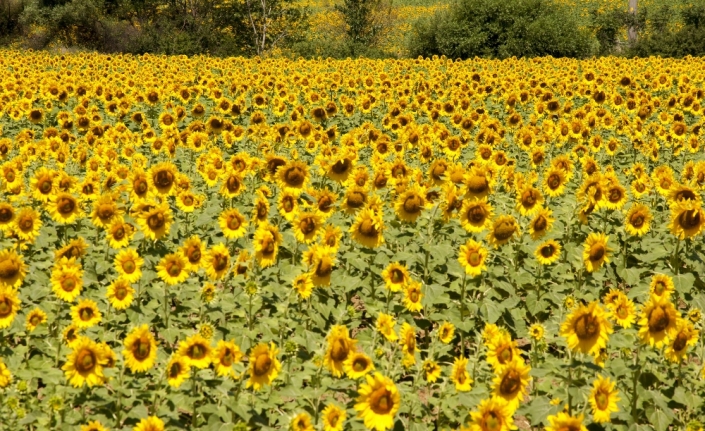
(256, 244)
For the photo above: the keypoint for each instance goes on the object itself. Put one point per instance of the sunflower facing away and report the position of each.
(378, 402)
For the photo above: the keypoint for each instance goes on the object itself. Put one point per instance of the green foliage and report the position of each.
(501, 29)
(662, 39)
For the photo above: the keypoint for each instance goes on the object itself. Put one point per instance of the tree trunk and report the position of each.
(631, 32)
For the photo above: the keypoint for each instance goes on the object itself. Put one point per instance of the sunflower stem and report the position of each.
(194, 393)
(118, 412)
(166, 306)
(570, 382)
(635, 380)
(462, 314)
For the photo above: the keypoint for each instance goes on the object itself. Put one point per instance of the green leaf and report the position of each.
(684, 283)
(659, 420)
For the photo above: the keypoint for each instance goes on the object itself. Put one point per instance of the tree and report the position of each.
(365, 20)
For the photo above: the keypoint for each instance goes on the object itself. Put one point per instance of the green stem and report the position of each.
(166, 305)
(635, 380)
(118, 413)
(194, 390)
(570, 382)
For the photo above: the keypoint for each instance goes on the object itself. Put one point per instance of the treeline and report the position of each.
(466, 29)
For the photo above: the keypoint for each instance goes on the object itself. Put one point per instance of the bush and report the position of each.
(501, 29)
(663, 40)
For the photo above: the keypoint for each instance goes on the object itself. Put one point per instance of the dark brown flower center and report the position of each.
(294, 176)
(6, 214)
(540, 224)
(262, 364)
(5, 307)
(66, 205)
(85, 361)
(9, 269)
(381, 401)
(597, 252)
(586, 327)
(511, 383)
(368, 229)
(220, 262)
(689, 219)
(163, 179)
(197, 351)
(602, 400)
(356, 199)
(68, 285)
(307, 225)
(548, 250)
(412, 204)
(658, 319)
(141, 348)
(234, 223)
(504, 230)
(478, 184)
(156, 221)
(341, 166)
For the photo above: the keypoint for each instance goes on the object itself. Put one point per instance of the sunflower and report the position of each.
(432, 371)
(554, 181)
(603, 399)
(128, 265)
(105, 211)
(529, 200)
(623, 311)
(340, 346)
(395, 275)
(565, 422)
(34, 318)
(93, 426)
(64, 208)
(410, 204)
(5, 375)
(596, 251)
(661, 286)
(225, 354)
(42, 184)
(188, 201)
(7, 216)
(307, 226)
(510, 382)
(173, 269)
(217, 262)
(151, 423)
(177, 371)
(492, 414)
(264, 366)
(138, 185)
(687, 219)
(367, 229)
(293, 176)
(193, 250)
(85, 363)
(501, 350)
(120, 233)
(587, 329)
(333, 418)
(120, 294)
(638, 220)
(537, 331)
(303, 285)
(9, 305)
(477, 182)
(657, 322)
(12, 269)
(140, 349)
(321, 260)
(541, 223)
(413, 296)
(70, 334)
(548, 252)
(156, 222)
(233, 184)
(26, 224)
(472, 256)
(378, 402)
(86, 314)
(162, 178)
(503, 229)
(460, 375)
(685, 335)
(446, 332)
(196, 350)
(354, 199)
(475, 214)
(232, 223)
(357, 365)
(385, 325)
(301, 422)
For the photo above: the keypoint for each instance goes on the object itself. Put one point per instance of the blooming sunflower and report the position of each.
(413, 296)
(537, 331)
(140, 351)
(156, 221)
(501, 349)
(264, 366)
(188, 202)
(232, 223)
(93, 426)
(339, 347)
(9, 305)
(27, 224)
(233, 185)
(657, 321)
(503, 229)
(34, 318)
(85, 363)
(548, 252)
(5, 375)
(529, 200)
(357, 365)
(603, 399)
(320, 260)
(105, 211)
(43, 184)
(7, 216)
(303, 285)
(385, 325)
(492, 414)
(685, 335)
(86, 314)
(75, 249)
(395, 275)
(637, 221)
(564, 421)
(307, 226)
(217, 262)
(266, 247)
(378, 402)
(120, 294)
(596, 251)
(541, 223)
(687, 219)
(623, 311)
(301, 422)
(177, 370)
(70, 334)
(120, 233)
(510, 382)
(333, 418)
(196, 350)
(152, 423)
(64, 208)
(554, 181)
(128, 265)
(367, 229)
(173, 269)
(475, 214)
(432, 371)
(472, 256)
(587, 329)
(661, 286)
(12, 269)
(410, 204)
(224, 356)
(162, 178)
(293, 176)
(446, 332)
(460, 375)
(193, 250)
